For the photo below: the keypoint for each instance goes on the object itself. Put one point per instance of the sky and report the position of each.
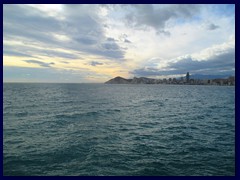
(94, 43)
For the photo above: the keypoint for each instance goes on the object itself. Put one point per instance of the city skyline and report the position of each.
(187, 80)
(94, 43)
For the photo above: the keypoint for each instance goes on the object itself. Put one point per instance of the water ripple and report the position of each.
(94, 129)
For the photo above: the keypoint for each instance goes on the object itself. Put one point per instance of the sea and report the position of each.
(118, 130)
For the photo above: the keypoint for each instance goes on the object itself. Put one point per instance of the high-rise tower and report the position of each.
(187, 77)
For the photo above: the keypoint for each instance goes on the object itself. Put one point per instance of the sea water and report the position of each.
(106, 129)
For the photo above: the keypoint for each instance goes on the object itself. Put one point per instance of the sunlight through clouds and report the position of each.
(119, 40)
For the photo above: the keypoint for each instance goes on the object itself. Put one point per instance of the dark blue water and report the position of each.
(98, 129)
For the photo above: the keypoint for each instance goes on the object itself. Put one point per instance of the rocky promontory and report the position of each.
(141, 80)
(118, 80)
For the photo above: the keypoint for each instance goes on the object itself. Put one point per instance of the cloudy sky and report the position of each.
(93, 43)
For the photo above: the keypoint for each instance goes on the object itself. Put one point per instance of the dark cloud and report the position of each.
(105, 26)
(26, 51)
(217, 64)
(110, 51)
(166, 33)
(29, 24)
(15, 53)
(127, 41)
(144, 16)
(111, 39)
(43, 64)
(86, 40)
(65, 62)
(95, 63)
(223, 61)
(52, 53)
(110, 46)
(124, 38)
(212, 27)
(80, 23)
(87, 24)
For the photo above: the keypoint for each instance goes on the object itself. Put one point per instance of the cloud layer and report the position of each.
(40, 63)
(102, 41)
(80, 30)
(216, 60)
(156, 17)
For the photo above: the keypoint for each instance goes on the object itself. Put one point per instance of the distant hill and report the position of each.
(141, 80)
(118, 80)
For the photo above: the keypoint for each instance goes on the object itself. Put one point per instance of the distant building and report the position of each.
(174, 80)
(191, 81)
(164, 81)
(231, 80)
(187, 77)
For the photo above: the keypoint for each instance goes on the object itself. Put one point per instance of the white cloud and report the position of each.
(53, 10)
(215, 50)
(124, 38)
(215, 60)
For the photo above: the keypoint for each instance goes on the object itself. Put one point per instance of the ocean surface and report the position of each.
(108, 130)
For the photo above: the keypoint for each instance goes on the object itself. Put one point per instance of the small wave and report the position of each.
(118, 131)
(72, 102)
(154, 102)
(198, 117)
(86, 114)
(150, 101)
(218, 106)
(113, 110)
(21, 114)
(66, 102)
(76, 115)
